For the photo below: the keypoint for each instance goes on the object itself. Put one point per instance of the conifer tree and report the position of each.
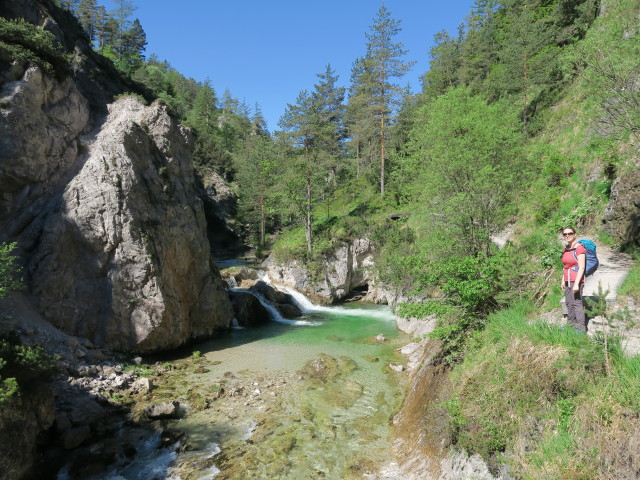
(134, 41)
(104, 31)
(256, 166)
(444, 66)
(330, 131)
(299, 130)
(359, 118)
(88, 14)
(386, 64)
(121, 14)
(478, 48)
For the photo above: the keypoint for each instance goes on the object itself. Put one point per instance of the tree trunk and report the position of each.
(308, 217)
(382, 155)
(307, 226)
(263, 221)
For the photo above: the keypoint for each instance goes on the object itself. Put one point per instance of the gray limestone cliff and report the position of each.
(346, 269)
(103, 202)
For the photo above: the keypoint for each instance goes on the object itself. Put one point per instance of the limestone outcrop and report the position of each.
(621, 218)
(345, 270)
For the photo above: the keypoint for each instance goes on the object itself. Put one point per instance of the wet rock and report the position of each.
(170, 437)
(381, 338)
(289, 311)
(269, 293)
(165, 410)
(396, 368)
(248, 310)
(75, 436)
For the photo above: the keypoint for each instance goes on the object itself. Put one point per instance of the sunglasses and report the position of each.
(568, 234)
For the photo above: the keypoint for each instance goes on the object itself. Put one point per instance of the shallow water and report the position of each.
(304, 399)
(331, 420)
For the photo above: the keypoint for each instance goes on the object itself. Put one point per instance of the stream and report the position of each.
(310, 398)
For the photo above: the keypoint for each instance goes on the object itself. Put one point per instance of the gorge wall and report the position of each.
(103, 203)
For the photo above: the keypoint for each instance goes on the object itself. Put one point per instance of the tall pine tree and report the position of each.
(386, 63)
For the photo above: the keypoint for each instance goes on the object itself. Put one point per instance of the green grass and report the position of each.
(631, 285)
(524, 380)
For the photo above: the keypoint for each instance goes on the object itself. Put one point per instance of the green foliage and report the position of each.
(142, 369)
(527, 379)
(611, 54)
(426, 308)
(631, 284)
(10, 270)
(466, 165)
(8, 388)
(137, 96)
(20, 365)
(24, 42)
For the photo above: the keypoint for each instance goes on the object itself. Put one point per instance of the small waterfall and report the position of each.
(275, 314)
(307, 307)
(273, 311)
(302, 302)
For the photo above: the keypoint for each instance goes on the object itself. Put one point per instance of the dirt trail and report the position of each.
(614, 267)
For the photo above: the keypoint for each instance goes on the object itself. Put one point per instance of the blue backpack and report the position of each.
(592, 261)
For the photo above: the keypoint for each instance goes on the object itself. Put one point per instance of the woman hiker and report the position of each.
(574, 260)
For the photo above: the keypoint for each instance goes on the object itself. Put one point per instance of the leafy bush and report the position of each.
(20, 365)
(24, 42)
(9, 269)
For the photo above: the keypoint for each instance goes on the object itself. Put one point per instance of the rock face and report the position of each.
(103, 203)
(621, 219)
(21, 421)
(120, 254)
(344, 270)
(220, 209)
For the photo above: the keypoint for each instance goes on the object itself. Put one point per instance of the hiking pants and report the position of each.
(575, 307)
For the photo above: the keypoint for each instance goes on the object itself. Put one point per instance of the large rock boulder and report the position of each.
(248, 310)
(345, 269)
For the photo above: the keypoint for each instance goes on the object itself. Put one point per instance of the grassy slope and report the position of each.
(534, 396)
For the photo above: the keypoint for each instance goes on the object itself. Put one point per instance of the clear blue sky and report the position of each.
(266, 52)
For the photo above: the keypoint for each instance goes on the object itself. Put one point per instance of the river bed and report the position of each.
(310, 398)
